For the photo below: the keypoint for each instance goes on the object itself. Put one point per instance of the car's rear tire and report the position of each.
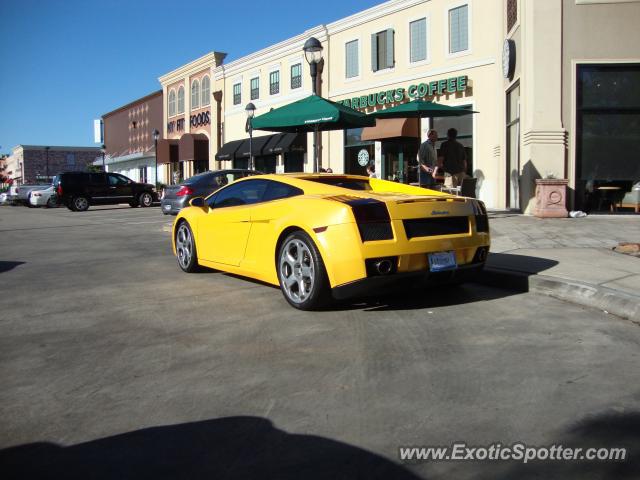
(186, 248)
(145, 199)
(80, 203)
(301, 272)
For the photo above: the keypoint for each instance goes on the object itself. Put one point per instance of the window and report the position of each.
(382, 50)
(195, 94)
(243, 193)
(296, 76)
(274, 82)
(277, 191)
(115, 179)
(181, 99)
(352, 62)
(255, 88)
(237, 94)
(96, 178)
(607, 127)
(172, 103)
(205, 91)
(459, 29)
(512, 13)
(418, 40)
(142, 174)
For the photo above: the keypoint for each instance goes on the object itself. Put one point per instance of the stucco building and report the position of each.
(554, 98)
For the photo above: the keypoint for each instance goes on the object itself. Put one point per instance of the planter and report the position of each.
(551, 198)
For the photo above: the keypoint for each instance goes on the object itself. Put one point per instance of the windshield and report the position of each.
(344, 182)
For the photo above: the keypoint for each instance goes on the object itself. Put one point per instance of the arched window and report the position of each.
(205, 90)
(195, 94)
(181, 99)
(172, 103)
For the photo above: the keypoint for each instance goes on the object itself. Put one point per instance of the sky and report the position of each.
(64, 63)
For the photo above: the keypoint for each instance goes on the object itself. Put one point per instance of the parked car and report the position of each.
(318, 235)
(3, 198)
(176, 197)
(43, 198)
(79, 190)
(11, 195)
(23, 191)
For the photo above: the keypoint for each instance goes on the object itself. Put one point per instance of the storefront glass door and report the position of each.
(607, 137)
(513, 148)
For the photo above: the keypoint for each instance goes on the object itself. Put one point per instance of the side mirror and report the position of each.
(197, 202)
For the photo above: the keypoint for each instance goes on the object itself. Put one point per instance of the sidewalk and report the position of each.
(570, 258)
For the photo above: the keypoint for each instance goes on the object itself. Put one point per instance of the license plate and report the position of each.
(440, 261)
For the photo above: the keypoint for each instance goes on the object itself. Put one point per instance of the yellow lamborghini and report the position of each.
(323, 235)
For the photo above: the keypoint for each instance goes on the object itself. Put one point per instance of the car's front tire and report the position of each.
(301, 272)
(145, 199)
(186, 248)
(80, 204)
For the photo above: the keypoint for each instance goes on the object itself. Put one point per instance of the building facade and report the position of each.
(128, 139)
(191, 118)
(39, 164)
(553, 99)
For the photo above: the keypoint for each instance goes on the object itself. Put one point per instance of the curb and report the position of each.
(618, 303)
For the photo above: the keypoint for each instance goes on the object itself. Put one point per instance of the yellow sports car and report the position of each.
(323, 235)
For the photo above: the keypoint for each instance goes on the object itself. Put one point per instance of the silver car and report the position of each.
(176, 197)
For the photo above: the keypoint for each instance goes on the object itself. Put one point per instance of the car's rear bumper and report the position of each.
(173, 205)
(376, 284)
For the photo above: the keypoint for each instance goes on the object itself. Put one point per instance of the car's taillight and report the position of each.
(59, 190)
(372, 218)
(37, 194)
(184, 190)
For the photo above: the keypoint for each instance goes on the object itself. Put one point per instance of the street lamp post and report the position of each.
(313, 54)
(250, 110)
(156, 135)
(103, 149)
(46, 171)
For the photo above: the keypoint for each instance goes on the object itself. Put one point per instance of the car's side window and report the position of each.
(116, 180)
(277, 191)
(243, 193)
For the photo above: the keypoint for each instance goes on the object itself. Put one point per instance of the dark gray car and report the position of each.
(176, 197)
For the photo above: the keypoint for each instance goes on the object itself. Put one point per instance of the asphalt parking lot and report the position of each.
(115, 364)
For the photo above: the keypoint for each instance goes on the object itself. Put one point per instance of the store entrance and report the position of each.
(265, 163)
(399, 160)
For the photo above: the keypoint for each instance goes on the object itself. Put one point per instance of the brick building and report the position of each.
(39, 164)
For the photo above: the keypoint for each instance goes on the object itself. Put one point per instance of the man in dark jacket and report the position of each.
(453, 158)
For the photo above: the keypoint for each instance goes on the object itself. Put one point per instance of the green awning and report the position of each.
(421, 109)
(309, 114)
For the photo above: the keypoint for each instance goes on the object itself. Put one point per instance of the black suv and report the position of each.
(78, 190)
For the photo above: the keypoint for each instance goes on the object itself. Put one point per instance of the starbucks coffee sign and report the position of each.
(412, 92)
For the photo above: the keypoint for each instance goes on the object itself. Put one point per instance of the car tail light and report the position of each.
(184, 190)
(371, 216)
(37, 194)
(59, 190)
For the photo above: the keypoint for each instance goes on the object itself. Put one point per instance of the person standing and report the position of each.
(428, 159)
(371, 170)
(453, 158)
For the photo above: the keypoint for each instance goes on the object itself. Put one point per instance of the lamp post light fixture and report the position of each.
(313, 54)
(156, 135)
(250, 110)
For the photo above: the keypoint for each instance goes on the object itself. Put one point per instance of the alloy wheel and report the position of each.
(184, 246)
(297, 270)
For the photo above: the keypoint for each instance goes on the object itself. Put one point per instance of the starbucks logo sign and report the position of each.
(363, 157)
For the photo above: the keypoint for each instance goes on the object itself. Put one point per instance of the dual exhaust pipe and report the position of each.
(383, 267)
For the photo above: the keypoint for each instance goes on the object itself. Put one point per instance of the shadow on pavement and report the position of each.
(6, 266)
(608, 430)
(417, 298)
(520, 263)
(226, 448)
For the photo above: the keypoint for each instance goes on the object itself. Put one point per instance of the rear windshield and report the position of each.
(344, 182)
